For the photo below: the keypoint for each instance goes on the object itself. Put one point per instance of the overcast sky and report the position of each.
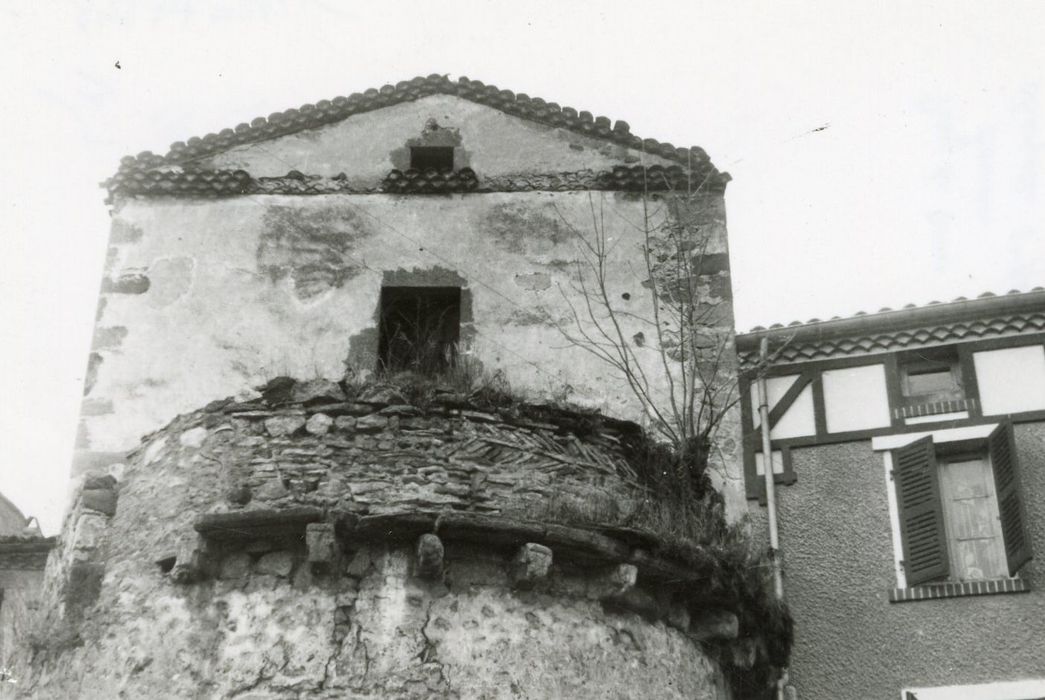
(881, 153)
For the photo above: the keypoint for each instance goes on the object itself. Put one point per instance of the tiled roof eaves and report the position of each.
(325, 112)
(986, 307)
(789, 349)
(185, 182)
(926, 337)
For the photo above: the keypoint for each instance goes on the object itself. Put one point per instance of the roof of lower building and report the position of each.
(935, 323)
(12, 521)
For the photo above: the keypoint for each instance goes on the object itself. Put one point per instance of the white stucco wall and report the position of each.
(798, 420)
(855, 398)
(1011, 380)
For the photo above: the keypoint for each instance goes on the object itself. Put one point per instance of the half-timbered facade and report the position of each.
(908, 448)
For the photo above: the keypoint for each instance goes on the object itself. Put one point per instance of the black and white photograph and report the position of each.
(483, 350)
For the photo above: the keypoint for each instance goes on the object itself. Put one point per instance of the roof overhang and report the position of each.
(934, 323)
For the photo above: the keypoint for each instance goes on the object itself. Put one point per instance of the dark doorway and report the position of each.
(420, 327)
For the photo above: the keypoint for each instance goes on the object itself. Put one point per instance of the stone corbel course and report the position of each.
(622, 576)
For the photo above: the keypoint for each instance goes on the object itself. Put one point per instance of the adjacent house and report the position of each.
(908, 453)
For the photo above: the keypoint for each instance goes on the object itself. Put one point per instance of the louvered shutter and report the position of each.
(921, 513)
(1002, 448)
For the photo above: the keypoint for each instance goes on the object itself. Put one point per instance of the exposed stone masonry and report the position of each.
(381, 455)
(308, 544)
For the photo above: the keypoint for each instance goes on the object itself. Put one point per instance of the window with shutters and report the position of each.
(959, 510)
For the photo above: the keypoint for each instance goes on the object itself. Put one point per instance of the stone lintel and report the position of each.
(491, 530)
(392, 527)
(586, 544)
(252, 524)
(662, 570)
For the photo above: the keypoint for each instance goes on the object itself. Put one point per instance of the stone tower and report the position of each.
(258, 517)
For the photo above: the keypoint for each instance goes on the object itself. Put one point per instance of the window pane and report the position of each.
(931, 382)
(971, 514)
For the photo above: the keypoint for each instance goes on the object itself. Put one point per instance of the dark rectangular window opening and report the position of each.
(419, 329)
(432, 157)
(930, 375)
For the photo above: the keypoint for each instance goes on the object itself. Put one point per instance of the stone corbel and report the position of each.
(430, 557)
(324, 553)
(530, 565)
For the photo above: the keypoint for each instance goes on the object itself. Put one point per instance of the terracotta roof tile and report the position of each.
(886, 309)
(186, 181)
(310, 116)
(430, 181)
(959, 320)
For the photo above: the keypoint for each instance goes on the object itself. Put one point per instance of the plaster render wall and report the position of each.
(206, 299)
(850, 641)
(366, 146)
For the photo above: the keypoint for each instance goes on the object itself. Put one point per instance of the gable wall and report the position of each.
(367, 146)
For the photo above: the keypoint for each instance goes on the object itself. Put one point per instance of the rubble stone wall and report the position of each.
(223, 563)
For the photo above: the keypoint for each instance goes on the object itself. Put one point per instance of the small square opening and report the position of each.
(930, 375)
(419, 329)
(432, 157)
